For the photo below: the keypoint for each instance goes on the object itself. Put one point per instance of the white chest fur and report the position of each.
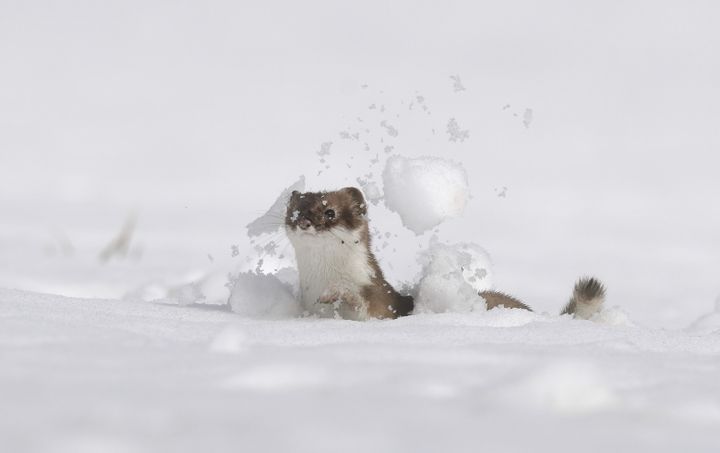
(327, 261)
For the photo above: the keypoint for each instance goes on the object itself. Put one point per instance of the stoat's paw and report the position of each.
(341, 295)
(330, 296)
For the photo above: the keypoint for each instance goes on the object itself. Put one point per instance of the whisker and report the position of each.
(275, 237)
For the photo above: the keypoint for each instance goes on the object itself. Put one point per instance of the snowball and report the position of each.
(425, 191)
(452, 276)
(274, 218)
(263, 296)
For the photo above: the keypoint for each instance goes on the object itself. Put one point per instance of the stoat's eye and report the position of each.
(330, 214)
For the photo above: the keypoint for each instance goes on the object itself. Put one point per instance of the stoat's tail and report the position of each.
(495, 299)
(587, 299)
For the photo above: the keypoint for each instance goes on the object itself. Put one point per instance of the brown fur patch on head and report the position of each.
(325, 210)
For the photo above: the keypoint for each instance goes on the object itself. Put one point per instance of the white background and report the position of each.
(193, 116)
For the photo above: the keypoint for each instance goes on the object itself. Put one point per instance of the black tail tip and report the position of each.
(588, 288)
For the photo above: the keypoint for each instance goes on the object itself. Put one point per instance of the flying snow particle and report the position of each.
(370, 189)
(257, 295)
(391, 130)
(324, 149)
(457, 83)
(455, 133)
(527, 118)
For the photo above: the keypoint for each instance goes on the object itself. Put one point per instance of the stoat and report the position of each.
(340, 276)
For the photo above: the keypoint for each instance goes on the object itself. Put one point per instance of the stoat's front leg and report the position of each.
(342, 295)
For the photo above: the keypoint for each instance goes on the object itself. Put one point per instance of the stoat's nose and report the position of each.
(303, 223)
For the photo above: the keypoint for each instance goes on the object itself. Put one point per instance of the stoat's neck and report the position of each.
(330, 259)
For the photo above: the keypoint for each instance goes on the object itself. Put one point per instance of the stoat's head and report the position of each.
(319, 212)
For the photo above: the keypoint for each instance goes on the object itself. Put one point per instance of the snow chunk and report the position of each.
(263, 296)
(273, 219)
(425, 191)
(453, 274)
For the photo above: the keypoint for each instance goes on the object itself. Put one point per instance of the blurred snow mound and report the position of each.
(198, 286)
(452, 276)
(570, 387)
(231, 340)
(263, 296)
(425, 191)
(277, 377)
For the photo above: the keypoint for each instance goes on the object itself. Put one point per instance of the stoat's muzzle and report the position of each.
(303, 223)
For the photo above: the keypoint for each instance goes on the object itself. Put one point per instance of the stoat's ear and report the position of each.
(358, 199)
(293, 200)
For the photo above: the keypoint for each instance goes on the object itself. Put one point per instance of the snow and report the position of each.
(274, 218)
(425, 191)
(708, 323)
(134, 376)
(156, 132)
(451, 278)
(263, 296)
(614, 316)
(455, 134)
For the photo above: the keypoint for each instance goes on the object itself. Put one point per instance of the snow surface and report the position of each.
(138, 139)
(130, 376)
